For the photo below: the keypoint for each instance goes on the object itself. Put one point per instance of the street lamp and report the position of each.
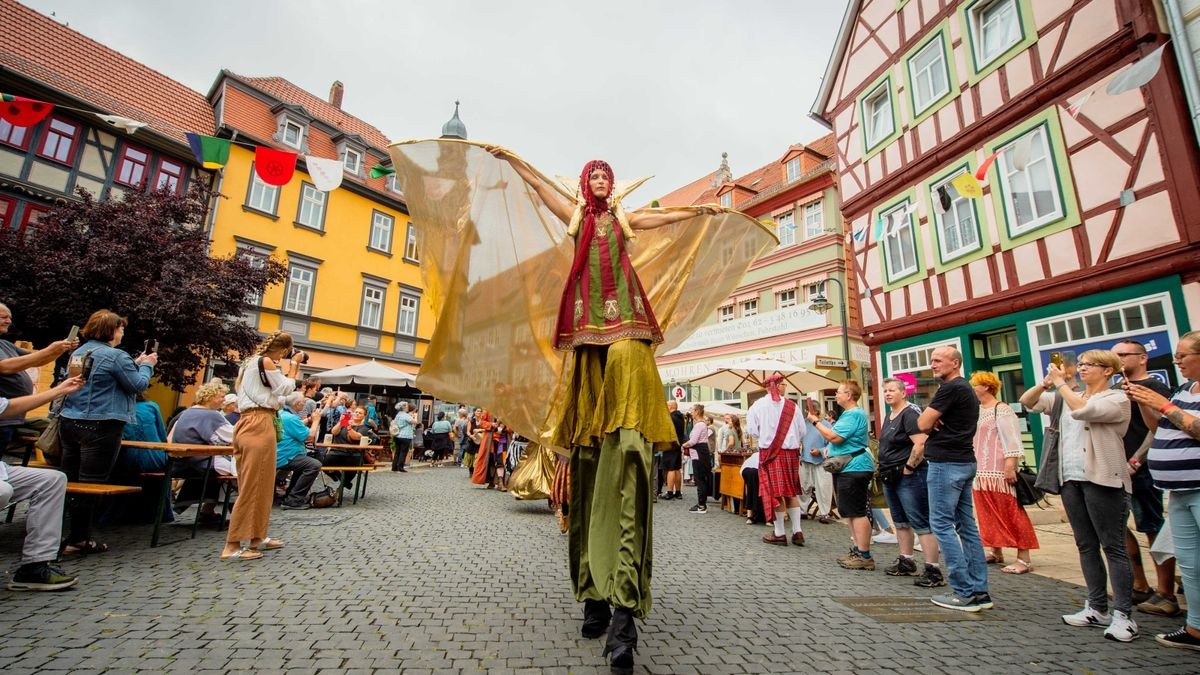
(819, 303)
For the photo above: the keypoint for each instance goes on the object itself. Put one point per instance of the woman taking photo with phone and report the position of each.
(264, 378)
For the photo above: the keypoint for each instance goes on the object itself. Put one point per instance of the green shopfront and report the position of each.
(1017, 346)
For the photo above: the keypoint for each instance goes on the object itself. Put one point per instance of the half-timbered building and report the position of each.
(1088, 227)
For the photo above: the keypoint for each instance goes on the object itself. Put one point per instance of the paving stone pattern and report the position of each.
(430, 574)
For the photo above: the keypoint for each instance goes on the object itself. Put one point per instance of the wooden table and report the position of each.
(733, 488)
(179, 451)
(360, 484)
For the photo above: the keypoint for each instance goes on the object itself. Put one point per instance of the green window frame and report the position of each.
(882, 86)
(973, 16)
(949, 259)
(938, 40)
(894, 279)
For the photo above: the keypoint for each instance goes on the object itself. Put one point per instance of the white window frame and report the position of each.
(908, 232)
(1008, 174)
(793, 169)
(939, 220)
(727, 199)
(916, 359)
(785, 298)
(750, 307)
(814, 219)
(928, 73)
(312, 207)
(283, 135)
(410, 244)
(406, 321)
(259, 193)
(257, 260)
(881, 93)
(785, 227)
(382, 228)
(373, 299)
(302, 281)
(725, 313)
(980, 25)
(1106, 335)
(355, 167)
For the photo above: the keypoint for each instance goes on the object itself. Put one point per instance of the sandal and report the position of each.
(994, 559)
(243, 554)
(84, 548)
(1018, 567)
(269, 544)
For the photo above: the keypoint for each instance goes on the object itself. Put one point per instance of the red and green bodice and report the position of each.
(603, 301)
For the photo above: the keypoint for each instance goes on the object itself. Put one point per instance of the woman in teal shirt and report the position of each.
(848, 436)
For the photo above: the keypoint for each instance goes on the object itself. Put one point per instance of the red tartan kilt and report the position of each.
(779, 477)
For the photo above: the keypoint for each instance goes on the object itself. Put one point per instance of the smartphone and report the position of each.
(73, 334)
(88, 361)
(812, 408)
(1056, 358)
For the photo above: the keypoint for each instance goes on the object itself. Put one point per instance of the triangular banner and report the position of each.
(968, 186)
(1137, 74)
(23, 112)
(981, 173)
(128, 125)
(326, 173)
(379, 171)
(210, 151)
(274, 167)
(880, 227)
(860, 235)
(1020, 151)
(943, 199)
(1075, 106)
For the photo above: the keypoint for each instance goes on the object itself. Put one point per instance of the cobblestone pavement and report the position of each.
(430, 574)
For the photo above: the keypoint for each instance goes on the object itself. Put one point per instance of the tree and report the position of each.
(145, 257)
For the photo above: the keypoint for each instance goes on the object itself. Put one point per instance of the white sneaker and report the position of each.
(1088, 617)
(885, 537)
(917, 545)
(1122, 629)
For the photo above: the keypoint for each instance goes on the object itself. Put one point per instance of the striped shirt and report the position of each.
(1174, 458)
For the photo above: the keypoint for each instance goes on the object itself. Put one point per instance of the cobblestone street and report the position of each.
(430, 574)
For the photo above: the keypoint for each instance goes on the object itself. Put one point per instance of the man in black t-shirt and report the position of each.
(950, 420)
(14, 364)
(1146, 502)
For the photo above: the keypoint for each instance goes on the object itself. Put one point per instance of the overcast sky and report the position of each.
(658, 88)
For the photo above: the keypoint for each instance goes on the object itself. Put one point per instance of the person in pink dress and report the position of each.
(1003, 522)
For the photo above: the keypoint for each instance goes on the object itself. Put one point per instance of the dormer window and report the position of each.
(293, 134)
(393, 184)
(352, 160)
(793, 169)
(727, 199)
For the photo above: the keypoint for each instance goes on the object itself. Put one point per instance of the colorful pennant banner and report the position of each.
(210, 151)
(274, 167)
(968, 185)
(130, 126)
(379, 171)
(23, 112)
(326, 173)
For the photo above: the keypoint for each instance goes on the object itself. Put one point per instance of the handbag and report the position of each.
(1028, 493)
(1047, 477)
(838, 463)
(49, 442)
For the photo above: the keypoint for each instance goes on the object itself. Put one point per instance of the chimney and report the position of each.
(335, 94)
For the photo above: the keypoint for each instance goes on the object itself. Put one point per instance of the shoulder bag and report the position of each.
(49, 442)
(1028, 493)
(1046, 479)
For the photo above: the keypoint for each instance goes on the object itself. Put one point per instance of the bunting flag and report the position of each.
(943, 199)
(23, 112)
(274, 167)
(1020, 152)
(899, 218)
(1137, 74)
(981, 174)
(968, 185)
(879, 228)
(210, 151)
(1075, 106)
(119, 122)
(860, 235)
(326, 173)
(379, 171)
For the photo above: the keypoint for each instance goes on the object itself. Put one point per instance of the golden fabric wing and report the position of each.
(494, 261)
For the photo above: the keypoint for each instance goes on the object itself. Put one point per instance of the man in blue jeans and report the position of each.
(950, 421)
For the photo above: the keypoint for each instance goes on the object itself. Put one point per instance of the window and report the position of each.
(793, 169)
(877, 114)
(995, 26)
(260, 196)
(814, 220)
(750, 307)
(786, 228)
(407, 324)
(293, 134)
(787, 298)
(372, 307)
(1031, 195)
(393, 184)
(381, 232)
(725, 313)
(1108, 322)
(257, 261)
(32, 216)
(60, 142)
(352, 160)
(410, 244)
(169, 176)
(299, 294)
(131, 167)
(18, 137)
(899, 242)
(915, 363)
(7, 206)
(928, 74)
(727, 199)
(311, 212)
(957, 229)
(813, 290)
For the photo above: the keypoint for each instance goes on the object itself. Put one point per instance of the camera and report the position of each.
(303, 355)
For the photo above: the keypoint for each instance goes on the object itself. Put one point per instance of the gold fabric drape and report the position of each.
(494, 261)
(534, 476)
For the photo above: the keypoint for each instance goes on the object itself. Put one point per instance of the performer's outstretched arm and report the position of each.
(551, 198)
(640, 220)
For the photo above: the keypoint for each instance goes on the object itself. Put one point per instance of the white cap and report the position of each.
(230, 398)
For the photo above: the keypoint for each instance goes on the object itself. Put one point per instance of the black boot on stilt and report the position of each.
(622, 641)
(596, 616)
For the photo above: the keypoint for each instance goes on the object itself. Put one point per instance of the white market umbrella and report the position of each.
(716, 408)
(369, 372)
(747, 375)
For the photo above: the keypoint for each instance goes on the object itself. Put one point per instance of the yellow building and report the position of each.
(354, 289)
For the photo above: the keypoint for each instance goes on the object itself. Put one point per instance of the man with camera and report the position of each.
(15, 381)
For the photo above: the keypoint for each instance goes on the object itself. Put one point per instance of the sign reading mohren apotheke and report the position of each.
(767, 324)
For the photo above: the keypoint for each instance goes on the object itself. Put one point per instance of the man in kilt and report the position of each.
(778, 429)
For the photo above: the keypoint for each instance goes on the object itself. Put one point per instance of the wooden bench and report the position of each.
(359, 485)
(101, 489)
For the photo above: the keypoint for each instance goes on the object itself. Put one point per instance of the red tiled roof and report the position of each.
(39, 48)
(283, 90)
(688, 194)
(252, 116)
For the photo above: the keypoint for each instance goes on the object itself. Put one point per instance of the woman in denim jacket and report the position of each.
(94, 418)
